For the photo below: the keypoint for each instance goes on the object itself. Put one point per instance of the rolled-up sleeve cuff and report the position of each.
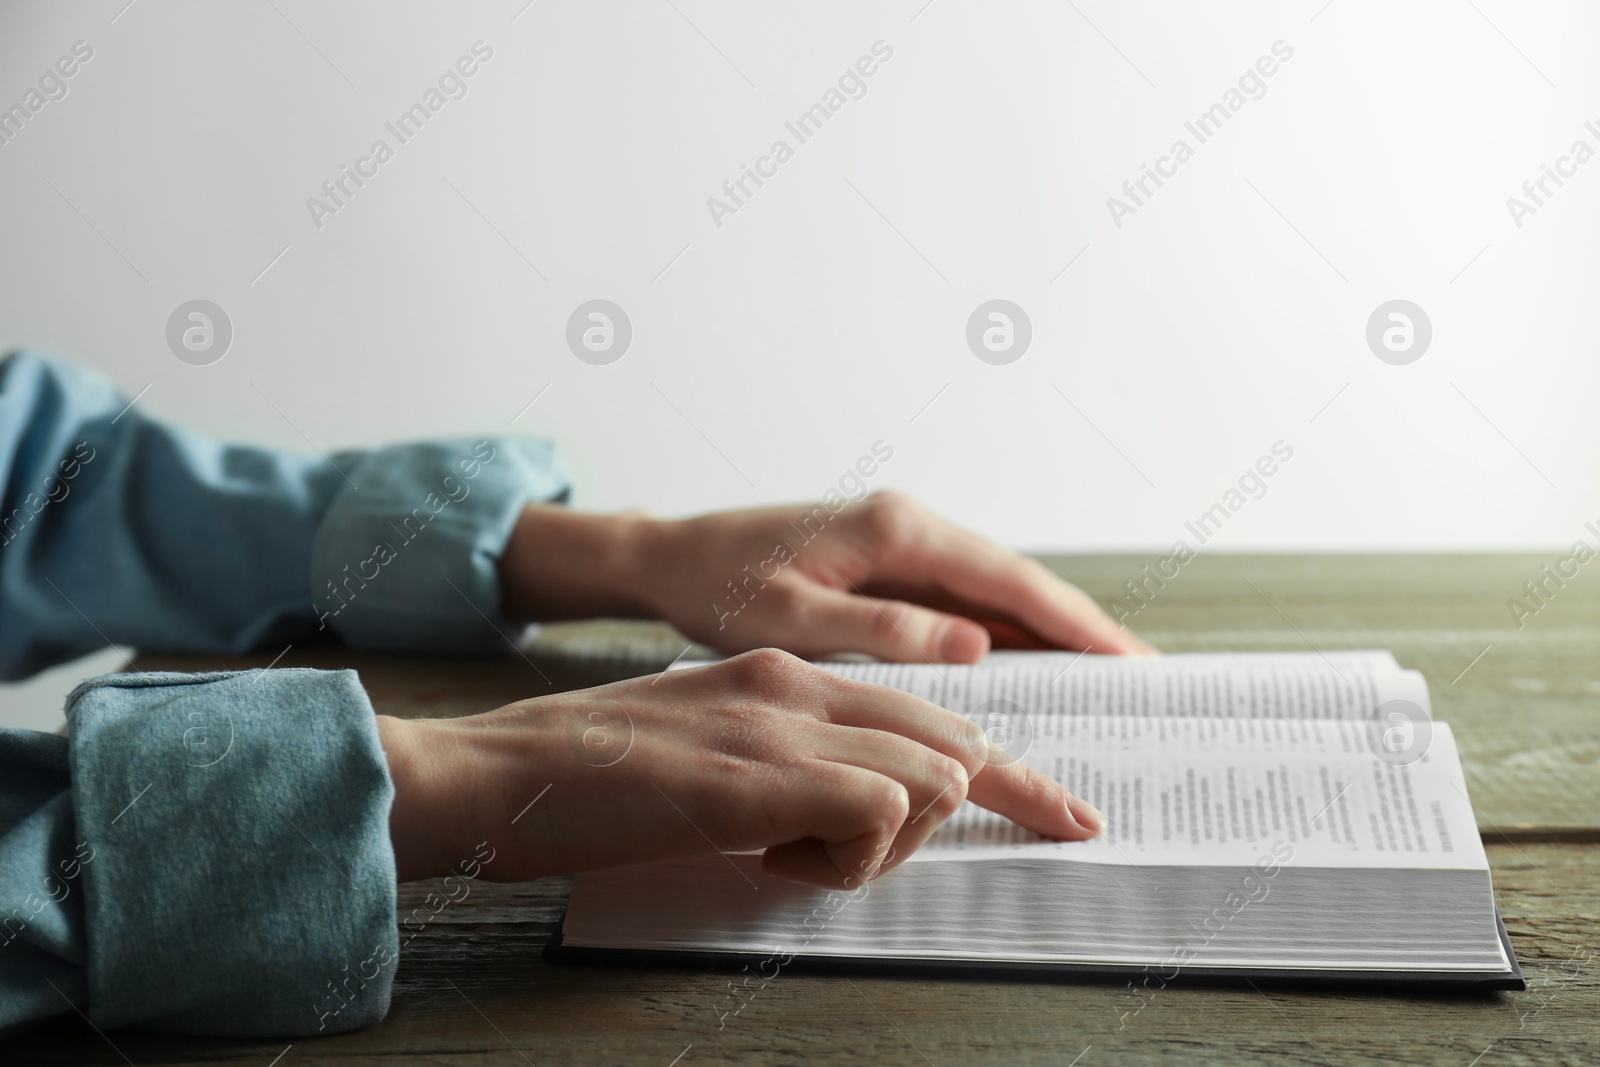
(406, 557)
(242, 880)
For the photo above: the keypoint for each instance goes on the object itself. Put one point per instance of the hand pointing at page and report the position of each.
(838, 780)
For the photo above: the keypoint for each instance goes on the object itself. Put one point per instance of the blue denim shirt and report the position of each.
(209, 853)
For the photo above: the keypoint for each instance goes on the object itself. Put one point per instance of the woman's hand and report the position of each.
(838, 780)
(883, 576)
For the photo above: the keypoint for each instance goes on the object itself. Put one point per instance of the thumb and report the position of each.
(891, 630)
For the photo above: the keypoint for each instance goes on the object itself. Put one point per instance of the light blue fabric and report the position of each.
(210, 853)
(118, 529)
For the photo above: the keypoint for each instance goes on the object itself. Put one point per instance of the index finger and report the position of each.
(1004, 785)
(1032, 799)
(982, 573)
(877, 707)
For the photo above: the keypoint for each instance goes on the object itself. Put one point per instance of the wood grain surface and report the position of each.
(1525, 704)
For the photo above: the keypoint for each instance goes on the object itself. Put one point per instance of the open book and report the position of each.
(1280, 815)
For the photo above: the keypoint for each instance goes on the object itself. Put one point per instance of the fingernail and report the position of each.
(1086, 815)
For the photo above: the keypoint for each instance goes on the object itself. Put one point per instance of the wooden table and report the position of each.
(1525, 706)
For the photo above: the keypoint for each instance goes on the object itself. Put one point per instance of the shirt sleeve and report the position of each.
(207, 854)
(119, 529)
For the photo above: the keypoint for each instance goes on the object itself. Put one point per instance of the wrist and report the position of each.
(462, 788)
(562, 564)
(414, 816)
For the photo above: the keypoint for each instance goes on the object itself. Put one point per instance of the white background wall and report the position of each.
(1222, 317)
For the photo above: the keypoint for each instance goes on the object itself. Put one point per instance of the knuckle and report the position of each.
(890, 518)
(951, 780)
(764, 668)
(787, 598)
(954, 781)
(890, 805)
(1036, 570)
(892, 498)
(895, 622)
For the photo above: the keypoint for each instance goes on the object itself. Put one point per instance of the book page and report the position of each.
(1280, 916)
(1208, 758)
(1230, 791)
(1282, 685)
